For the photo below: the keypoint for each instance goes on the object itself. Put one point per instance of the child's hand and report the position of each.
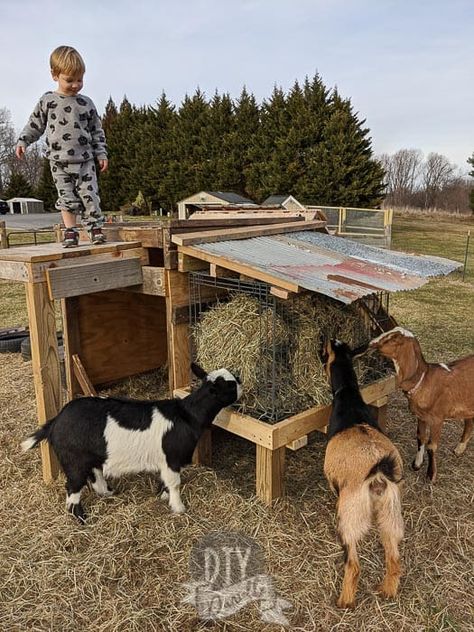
(20, 152)
(104, 165)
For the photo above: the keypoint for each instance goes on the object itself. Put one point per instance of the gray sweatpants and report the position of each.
(78, 190)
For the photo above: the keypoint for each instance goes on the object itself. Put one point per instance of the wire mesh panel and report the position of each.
(274, 344)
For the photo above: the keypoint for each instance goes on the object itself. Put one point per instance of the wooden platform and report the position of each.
(125, 307)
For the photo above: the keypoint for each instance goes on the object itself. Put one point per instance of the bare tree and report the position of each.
(402, 170)
(7, 144)
(437, 174)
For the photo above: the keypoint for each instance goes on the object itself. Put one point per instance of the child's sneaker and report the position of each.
(96, 235)
(71, 238)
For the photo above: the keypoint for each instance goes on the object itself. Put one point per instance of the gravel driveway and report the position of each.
(31, 222)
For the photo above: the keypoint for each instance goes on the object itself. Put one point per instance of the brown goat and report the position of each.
(435, 392)
(364, 469)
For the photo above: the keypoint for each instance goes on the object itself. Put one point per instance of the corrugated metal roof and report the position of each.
(336, 267)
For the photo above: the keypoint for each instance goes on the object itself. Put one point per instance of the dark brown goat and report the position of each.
(365, 470)
(435, 392)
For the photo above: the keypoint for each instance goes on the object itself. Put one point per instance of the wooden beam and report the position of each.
(153, 282)
(270, 473)
(72, 342)
(279, 292)
(93, 277)
(56, 252)
(203, 452)
(45, 362)
(317, 418)
(38, 270)
(82, 377)
(242, 268)
(14, 271)
(188, 264)
(212, 236)
(179, 353)
(216, 271)
(3, 235)
(298, 443)
(243, 426)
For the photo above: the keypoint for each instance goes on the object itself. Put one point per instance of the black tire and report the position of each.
(26, 347)
(11, 338)
(11, 345)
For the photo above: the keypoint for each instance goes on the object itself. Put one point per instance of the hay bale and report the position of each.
(276, 352)
(240, 334)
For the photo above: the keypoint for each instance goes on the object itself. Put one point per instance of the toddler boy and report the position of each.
(74, 140)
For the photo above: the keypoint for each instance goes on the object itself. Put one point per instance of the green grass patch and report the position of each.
(441, 312)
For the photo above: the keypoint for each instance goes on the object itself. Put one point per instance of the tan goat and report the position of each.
(435, 392)
(364, 469)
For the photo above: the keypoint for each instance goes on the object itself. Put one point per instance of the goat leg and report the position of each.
(466, 435)
(432, 449)
(351, 576)
(421, 439)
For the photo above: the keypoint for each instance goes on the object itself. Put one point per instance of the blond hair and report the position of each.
(66, 60)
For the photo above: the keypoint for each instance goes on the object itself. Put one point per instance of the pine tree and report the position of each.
(190, 170)
(46, 189)
(155, 153)
(115, 186)
(268, 153)
(18, 186)
(344, 172)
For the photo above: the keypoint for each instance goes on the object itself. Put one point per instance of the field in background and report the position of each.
(125, 571)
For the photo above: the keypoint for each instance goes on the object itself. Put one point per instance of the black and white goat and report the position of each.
(95, 438)
(364, 469)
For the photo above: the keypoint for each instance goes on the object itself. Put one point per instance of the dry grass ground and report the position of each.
(125, 570)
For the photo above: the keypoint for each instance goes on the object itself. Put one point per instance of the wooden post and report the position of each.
(71, 338)
(379, 407)
(3, 235)
(179, 352)
(58, 233)
(45, 360)
(270, 473)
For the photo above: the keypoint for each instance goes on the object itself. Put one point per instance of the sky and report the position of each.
(406, 65)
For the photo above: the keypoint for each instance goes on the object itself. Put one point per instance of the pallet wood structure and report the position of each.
(125, 310)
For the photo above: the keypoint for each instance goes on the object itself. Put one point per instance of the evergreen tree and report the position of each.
(119, 127)
(18, 186)
(155, 153)
(190, 170)
(46, 189)
(243, 139)
(264, 177)
(345, 173)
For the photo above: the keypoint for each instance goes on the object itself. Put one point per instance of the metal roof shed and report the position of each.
(25, 206)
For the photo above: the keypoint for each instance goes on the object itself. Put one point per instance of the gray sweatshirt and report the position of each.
(73, 128)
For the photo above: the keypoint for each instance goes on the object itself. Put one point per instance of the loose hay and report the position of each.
(125, 570)
(276, 351)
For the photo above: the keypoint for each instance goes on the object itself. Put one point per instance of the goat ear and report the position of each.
(198, 371)
(358, 351)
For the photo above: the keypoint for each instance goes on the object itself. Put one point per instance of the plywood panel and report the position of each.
(121, 334)
(93, 277)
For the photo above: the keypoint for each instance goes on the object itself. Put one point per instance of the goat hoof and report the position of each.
(460, 449)
(415, 466)
(178, 509)
(342, 603)
(78, 512)
(386, 592)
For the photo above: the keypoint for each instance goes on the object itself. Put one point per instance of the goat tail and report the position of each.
(383, 485)
(33, 440)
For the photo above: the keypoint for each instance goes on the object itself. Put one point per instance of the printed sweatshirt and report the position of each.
(73, 128)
